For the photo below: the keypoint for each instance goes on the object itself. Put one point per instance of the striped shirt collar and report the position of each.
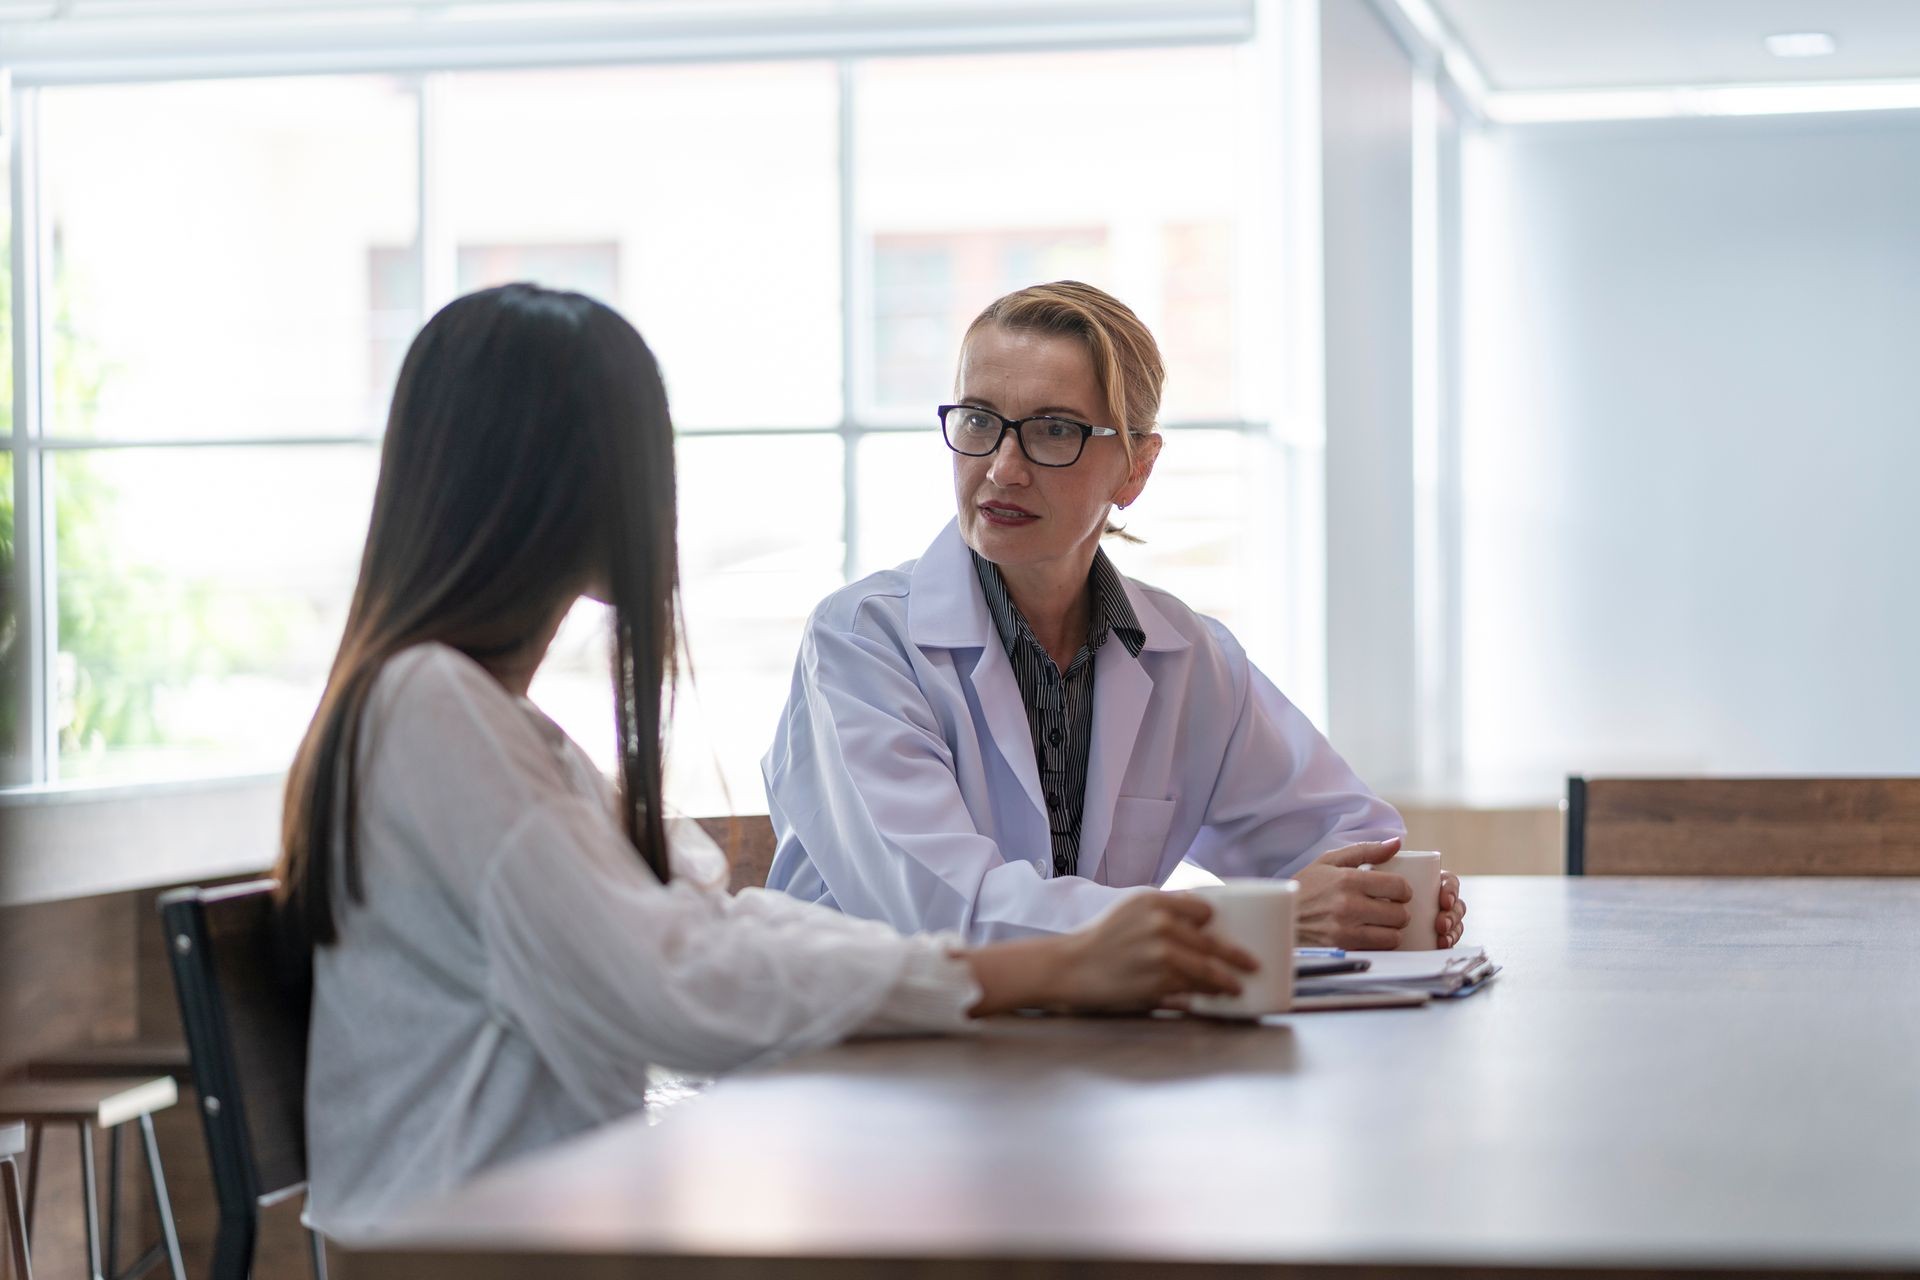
(1111, 612)
(948, 610)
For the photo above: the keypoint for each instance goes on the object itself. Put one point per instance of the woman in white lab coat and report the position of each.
(501, 943)
(1006, 737)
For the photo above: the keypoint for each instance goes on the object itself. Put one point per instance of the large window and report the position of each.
(198, 446)
(802, 243)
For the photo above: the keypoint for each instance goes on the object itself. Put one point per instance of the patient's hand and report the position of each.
(1343, 906)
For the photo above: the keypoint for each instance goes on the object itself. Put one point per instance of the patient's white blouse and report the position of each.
(515, 968)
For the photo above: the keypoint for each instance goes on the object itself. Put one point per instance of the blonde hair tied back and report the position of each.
(1126, 360)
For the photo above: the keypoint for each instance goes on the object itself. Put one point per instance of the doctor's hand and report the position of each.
(1453, 911)
(1343, 906)
(1146, 948)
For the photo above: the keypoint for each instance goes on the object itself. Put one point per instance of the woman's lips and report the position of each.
(1006, 514)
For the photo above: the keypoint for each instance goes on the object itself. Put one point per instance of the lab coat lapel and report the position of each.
(1121, 688)
(1006, 717)
(946, 610)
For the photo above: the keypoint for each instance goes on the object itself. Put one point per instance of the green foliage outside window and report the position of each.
(129, 633)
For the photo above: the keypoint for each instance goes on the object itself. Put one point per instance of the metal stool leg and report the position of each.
(16, 1218)
(90, 1201)
(33, 1169)
(169, 1234)
(113, 1201)
(319, 1247)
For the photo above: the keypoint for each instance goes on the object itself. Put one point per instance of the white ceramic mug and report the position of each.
(1258, 917)
(1421, 870)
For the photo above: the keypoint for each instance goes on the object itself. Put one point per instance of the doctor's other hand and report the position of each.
(1453, 911)
(1146, 948)
(1343, 906)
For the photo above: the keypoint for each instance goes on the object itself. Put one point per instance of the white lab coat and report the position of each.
(903, 785)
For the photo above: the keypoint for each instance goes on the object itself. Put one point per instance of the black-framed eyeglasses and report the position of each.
(1046, 441)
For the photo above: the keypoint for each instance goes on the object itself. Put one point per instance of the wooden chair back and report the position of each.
(1743, 826)
(747, 839)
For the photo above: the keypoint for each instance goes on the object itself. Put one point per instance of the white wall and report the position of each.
(1690, 448)
(1367, 225)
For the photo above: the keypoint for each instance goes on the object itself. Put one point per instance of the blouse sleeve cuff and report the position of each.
(933, 992)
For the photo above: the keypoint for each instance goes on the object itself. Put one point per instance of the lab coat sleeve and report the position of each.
(605, 970)
(1283, 795)
(864, 779)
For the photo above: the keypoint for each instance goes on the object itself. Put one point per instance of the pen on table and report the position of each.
(1313, 967)
(1321, 953)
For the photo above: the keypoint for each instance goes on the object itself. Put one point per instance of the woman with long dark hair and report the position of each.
(500, 943)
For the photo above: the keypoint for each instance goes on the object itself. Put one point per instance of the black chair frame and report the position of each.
(1576, 826)
(225, 1075)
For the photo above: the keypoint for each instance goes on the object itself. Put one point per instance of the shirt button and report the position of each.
(1053, 801)
(1053, 736)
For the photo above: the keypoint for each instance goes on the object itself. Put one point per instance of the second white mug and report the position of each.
(1421, 870)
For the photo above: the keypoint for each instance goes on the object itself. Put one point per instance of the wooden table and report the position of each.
(1671, 1076)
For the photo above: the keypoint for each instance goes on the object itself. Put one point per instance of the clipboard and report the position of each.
(1356, 998)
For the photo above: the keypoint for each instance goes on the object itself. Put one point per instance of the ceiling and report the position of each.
(1546, 45)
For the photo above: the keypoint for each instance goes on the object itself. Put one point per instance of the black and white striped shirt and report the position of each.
(1060, 707)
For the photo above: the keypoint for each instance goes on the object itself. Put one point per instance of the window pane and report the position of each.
(575, 684)
(759, 548)
(6, 293)
(201, 593)
(260, 282)
(13, 689)
(906, 495)
(966, 191)
(1209, 491)
(701, 201)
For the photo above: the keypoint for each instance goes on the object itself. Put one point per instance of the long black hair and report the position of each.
(528, 453)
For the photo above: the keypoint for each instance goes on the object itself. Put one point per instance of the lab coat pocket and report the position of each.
(1138, 840)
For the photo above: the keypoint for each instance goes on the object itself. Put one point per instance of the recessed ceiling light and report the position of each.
(1801, 44)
